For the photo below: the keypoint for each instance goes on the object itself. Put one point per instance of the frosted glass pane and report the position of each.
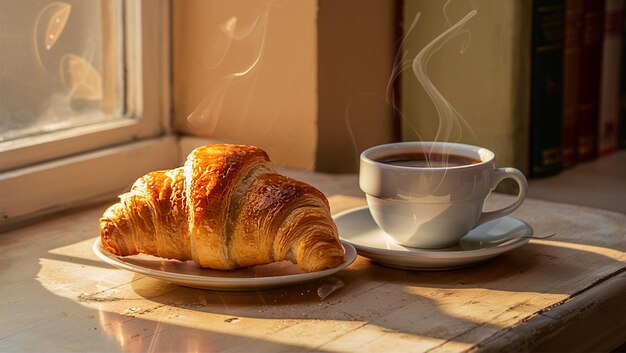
(60, 65)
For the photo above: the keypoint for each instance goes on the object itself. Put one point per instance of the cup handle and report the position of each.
(499, 175)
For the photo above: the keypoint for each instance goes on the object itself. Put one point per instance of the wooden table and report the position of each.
(567, 293)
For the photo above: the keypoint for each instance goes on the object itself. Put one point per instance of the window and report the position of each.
(84, 101)
(53, 78)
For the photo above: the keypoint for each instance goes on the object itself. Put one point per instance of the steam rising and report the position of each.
(449, 118)
(251, 40)
(451, 125)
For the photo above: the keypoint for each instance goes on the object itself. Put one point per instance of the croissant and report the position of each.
(225, 208)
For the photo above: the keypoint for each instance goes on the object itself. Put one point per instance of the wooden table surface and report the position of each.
(566, 293)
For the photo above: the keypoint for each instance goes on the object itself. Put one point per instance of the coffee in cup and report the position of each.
(430, 194)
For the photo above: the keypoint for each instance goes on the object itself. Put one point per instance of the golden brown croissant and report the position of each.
(226, 208)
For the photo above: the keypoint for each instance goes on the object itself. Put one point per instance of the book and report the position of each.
(548, 39)
(589, 80)
(571, 67)
(608, 116)
(622, 122)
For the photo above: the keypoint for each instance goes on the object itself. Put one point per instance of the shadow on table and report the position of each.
(414, 303)
(389, 295)
(50, 302)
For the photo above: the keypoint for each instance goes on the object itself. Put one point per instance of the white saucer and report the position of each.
(357, 227)
(189, 274)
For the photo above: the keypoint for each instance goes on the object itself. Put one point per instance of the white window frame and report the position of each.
(65, 169)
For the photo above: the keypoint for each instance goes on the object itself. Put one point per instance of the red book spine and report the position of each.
(621, 139)
(571, 68)
(589, 80)
(610, 77)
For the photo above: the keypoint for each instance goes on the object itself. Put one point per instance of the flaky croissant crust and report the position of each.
(225, 208)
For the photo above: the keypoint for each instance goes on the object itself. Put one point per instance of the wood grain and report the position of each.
(83, 179)
(567, 292)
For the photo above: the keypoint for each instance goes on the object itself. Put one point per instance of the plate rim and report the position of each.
(222, 283)
(414, 253)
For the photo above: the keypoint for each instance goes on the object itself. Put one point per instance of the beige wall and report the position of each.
(274, 104)
(316, 97)
(488, 84)
(356, 44)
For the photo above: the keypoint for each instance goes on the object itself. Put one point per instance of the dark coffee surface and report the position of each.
(427, 160)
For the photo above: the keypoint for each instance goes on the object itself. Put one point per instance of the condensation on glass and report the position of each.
(61, 65)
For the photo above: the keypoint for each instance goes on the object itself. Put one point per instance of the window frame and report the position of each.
(147, 118)
(68, 168)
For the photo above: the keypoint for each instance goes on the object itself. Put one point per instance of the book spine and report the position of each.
(622, 121)
(571, 67)
(589, 80)
(546, 87)
(609, 78)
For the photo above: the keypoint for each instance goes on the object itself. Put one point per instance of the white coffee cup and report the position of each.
(432, 206)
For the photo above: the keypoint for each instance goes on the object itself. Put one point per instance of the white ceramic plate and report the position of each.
(189, 274)
(486, 241)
